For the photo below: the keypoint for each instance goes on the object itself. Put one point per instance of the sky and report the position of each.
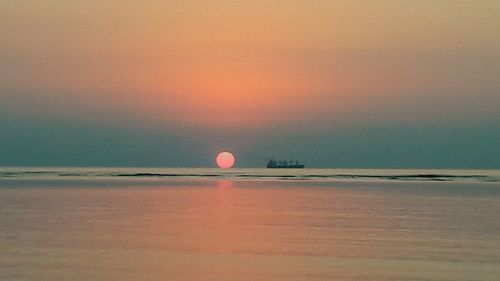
(364, 84)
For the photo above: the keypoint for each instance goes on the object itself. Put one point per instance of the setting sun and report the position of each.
(225, 160)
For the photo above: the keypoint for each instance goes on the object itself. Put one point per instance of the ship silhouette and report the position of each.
(284, 164)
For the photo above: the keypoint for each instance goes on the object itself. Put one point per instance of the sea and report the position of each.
(249, 224)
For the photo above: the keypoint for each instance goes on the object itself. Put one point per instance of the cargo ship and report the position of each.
(284, 164)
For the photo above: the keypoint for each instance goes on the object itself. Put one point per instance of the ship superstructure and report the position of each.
(284, 164)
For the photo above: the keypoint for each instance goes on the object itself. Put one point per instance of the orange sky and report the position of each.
(247, 64)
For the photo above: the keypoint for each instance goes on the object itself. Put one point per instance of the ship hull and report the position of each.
(285, 166)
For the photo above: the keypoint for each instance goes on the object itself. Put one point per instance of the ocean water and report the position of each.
(249, 224)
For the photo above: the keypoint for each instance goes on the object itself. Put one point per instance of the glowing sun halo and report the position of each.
(225, 160)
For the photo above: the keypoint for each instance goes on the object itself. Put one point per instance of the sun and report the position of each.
(225, 160)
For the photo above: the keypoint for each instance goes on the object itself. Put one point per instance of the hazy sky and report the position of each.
(169, 83)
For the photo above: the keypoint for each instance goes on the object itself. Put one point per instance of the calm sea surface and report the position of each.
(248, 224)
